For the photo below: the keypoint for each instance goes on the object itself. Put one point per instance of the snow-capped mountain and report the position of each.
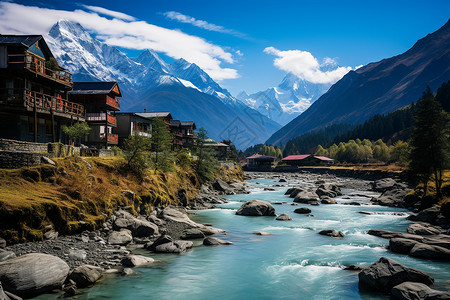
(286, 101)
(148, 82)
(150, 59)
(200, 79)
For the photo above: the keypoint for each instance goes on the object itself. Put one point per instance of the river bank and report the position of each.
(184, 233)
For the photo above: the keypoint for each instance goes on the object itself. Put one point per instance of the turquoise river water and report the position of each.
(293, 263)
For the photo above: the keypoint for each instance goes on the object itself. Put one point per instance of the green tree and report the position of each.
(206, 164)
(321, 151)
(380, 151)
(76, 131)
(136, 150)
(400, 153)
(429, 141)
(161, 141)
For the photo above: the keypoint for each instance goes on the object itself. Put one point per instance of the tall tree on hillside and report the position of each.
(429, 142)
(443, 96)
(206, 164)
(161, 141)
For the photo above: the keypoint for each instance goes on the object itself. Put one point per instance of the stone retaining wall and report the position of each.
(13, 145)
(18, 159)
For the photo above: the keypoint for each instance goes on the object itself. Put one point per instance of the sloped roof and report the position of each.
(24, 40)
(260, 157)
(101, 87)
(213, 143)
(323, 158)
(175, 123)
(154, 114)
(296, 157)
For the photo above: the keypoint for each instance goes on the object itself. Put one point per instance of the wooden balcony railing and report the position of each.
(47, 102)
(30, 99)
(27, 60)
(101, 117)
(113, 102)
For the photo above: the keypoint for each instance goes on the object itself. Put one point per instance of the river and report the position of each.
(295, 262)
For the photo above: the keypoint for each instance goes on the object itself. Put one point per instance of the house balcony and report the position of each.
(101, 118)
(26, 62)
(16, 98)
(114, 103)
(112, 138)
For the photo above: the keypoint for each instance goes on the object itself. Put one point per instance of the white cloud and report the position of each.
(111, 13)
(305, 66)
(179, 17)
(118, 32)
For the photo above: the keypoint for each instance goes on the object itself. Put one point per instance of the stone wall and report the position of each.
(18, 159)
(13, 145)
(17, 154)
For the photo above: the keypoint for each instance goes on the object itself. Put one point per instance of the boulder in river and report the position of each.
(122, 237)
(283, 217)
(222, 186)
(330, 190)
(4, 255)
(428, 215)
(176, 221)
(416, 291)
(332, 232)
(138, 227)
(422, 229)
(256, 208)
(33, 274)
(136, 261)
(2, 243)
(86, 275)
(386, 234)
(386, 273)
(400, 245)
(327, 200)
(306, 196)
(165, 244)
(212, 241)
(177, 246)
(384, 184)
(302, 210)
(430, 252)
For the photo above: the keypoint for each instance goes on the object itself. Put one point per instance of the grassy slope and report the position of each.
(72, 196)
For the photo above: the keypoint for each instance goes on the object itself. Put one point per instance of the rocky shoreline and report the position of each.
(89, 255)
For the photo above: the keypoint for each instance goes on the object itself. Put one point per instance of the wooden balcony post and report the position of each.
(52, 113)
(35, 120)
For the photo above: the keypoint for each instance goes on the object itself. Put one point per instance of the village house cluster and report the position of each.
(38, 97)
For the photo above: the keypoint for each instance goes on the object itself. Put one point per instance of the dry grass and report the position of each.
(80, 193)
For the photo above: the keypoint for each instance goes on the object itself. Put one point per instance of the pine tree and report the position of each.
(161, 141)
(429, 142)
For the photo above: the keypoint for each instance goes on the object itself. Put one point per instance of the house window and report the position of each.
(48, 127)
(31, 124)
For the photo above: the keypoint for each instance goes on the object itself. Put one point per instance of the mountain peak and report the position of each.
(152, 60)
(68, 27)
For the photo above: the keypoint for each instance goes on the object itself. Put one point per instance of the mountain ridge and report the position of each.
(377, 88)
(148, 76)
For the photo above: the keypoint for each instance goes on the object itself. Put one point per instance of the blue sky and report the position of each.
(248, 45)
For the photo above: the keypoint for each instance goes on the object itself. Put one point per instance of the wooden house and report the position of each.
(34, 90)
(220, 150)
(175, 130)
(131, 124)
(189, 138)
(101, 101)
(307, 160)
(258, 162)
